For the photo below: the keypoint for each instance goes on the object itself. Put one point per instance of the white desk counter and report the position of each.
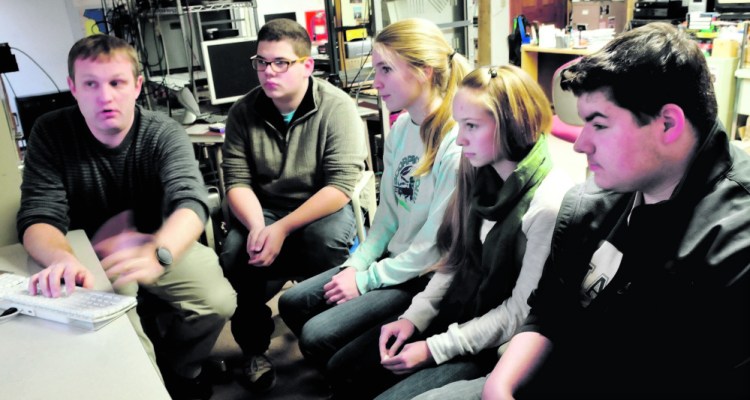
(48, 360)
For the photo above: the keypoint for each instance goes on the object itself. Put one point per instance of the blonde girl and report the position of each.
(494, 239)
(417, 71)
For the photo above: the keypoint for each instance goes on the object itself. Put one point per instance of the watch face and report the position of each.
(164, 256)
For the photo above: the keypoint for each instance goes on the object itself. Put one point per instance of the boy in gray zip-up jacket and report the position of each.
(294, 150)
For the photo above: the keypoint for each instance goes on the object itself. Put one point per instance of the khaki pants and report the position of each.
(200, 301)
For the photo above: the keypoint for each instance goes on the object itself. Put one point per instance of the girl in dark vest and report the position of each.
(495, 238)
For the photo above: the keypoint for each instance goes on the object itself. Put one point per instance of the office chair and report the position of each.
(363, 197)
(566, 124)
(213, 224)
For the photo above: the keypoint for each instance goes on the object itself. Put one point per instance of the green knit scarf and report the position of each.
(488, 278)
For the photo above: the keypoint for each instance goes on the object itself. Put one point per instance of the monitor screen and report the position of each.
(288, 15)
(32, 107)
(228, 69)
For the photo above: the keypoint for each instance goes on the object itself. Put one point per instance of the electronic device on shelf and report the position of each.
(733, 10)
(659, 10)
(89, 309)
(732, 6)
(227, 64)
(32, 107)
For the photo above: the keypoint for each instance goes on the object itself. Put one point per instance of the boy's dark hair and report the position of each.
(95, 46)
(646, 68)
(286, 29)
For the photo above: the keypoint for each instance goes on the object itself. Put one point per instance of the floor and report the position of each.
(295, 378)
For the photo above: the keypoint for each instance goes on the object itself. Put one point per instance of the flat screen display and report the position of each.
(229, 72)
(32, 107)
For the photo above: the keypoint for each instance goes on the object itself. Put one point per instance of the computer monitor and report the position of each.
(228, 68)
(288, 15)
(32, 107)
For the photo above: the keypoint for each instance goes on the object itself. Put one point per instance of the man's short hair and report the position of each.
(99, 46)
(285, 29)
(646, 68)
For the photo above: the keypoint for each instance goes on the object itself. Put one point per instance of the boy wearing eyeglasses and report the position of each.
(294, 150)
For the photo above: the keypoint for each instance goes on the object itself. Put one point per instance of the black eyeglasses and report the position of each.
(277, 65)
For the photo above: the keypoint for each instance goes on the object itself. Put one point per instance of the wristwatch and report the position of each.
(164, 256)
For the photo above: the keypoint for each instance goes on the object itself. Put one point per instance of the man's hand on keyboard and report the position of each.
(66, 269)
(133, 264)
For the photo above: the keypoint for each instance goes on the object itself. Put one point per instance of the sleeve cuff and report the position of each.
(198, 208)
(420, 323)
(362, 282)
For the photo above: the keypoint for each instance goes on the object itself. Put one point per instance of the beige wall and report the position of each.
(10, 176)
(494, 21)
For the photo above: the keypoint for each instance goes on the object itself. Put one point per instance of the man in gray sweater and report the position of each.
(294, 150)
(128, 177)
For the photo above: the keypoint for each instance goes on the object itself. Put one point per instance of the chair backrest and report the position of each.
(564, 101)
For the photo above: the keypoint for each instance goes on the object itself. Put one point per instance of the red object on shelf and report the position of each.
(315, 21)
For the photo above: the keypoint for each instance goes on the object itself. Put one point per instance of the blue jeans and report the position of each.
(323, 329)
(305, 253)
(435, 377)
(459, 390)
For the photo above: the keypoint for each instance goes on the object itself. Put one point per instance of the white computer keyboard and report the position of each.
(85, 308)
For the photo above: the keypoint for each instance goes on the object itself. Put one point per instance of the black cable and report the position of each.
(361, 66)
(158, 46)
(104, 16)
(37, 64)
(359, 87)
(160, 49)
(190, 40)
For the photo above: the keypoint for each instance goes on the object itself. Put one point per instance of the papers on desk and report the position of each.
(548, 36)
(177, 81)
(595, 39)
(200, 129)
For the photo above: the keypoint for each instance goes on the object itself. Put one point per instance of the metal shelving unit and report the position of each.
(203, 7)
(192, 19)
(454, 17)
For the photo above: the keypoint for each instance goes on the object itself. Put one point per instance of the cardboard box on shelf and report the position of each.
(725, 48)
(355, 63)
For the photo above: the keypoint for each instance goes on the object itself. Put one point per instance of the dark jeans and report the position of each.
(355, 371)
(305, 253)
(323, 329)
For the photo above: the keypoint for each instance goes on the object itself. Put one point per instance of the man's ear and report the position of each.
(71, 86)
(309, 64)
(672, 119)
(138, 85)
